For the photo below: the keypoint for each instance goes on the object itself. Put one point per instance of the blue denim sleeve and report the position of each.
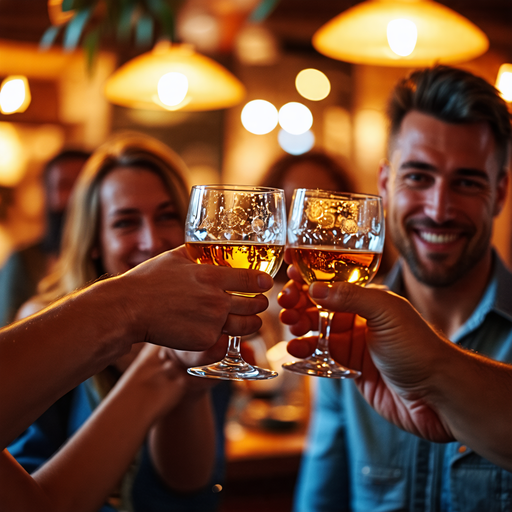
(151, 494)
(323, 484)
(44, 437)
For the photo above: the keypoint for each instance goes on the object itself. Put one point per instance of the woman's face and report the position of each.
(138, 219)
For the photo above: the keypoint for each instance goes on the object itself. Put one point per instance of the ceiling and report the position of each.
(293, 22)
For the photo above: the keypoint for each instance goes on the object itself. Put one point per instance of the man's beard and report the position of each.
(440, 276)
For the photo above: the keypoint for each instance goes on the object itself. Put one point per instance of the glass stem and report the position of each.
(233, 352)
(324, 331)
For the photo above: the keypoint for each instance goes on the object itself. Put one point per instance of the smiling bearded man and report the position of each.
(443, 183)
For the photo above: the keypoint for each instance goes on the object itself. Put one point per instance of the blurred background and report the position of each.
(264, 44)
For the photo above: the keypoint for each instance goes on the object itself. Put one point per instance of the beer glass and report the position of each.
(334, 237)
(239, 227)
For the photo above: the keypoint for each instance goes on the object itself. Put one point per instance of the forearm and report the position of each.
(84, 472)
(60, 347)
(182, 444)
(473, 394)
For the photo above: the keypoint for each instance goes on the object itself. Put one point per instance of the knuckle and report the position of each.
(244, 278)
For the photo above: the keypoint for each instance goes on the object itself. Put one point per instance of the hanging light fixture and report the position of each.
(174, 77)
(400, 33)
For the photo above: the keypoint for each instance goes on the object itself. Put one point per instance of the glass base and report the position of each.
(321, 368)
(225, 370)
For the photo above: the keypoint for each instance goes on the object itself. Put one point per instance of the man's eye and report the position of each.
(417, 178)
(468, 184)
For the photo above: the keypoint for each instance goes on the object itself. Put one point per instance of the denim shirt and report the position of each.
(143, 489)
(358, 461)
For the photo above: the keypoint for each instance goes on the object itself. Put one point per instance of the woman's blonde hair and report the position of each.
(75, 267)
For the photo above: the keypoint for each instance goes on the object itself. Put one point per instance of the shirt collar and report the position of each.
(497, 296)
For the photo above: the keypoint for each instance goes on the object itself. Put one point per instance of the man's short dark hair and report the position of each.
(454, 96)
(66, 154)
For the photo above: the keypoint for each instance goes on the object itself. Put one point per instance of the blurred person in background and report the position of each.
(286, 398)
(26, 267)
(129, 205)
(315, 169)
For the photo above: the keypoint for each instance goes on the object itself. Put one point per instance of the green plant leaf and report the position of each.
(67, 5)
(124, 24)
(49, 36)
(264, 8)
(164, 15)
(91, 45)
(144, 30)
(74, 29)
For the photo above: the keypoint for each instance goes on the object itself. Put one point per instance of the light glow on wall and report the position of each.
(14, 95)
(504, 81)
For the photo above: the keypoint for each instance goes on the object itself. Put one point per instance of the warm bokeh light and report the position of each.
(504, 81)
(14, 95)
(296, 144)
(12, 161)
(358, 34)
(295, 118)
(312, 84)
(172, 88)
(402, 36)
(259, 117)
(210, 85)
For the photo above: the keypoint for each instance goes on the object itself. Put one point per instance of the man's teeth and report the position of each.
(436, 238)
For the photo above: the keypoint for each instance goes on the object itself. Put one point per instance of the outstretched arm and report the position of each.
(82, 474)
(411, 374)
(168, 300)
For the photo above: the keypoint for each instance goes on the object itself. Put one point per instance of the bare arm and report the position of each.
(182, 442)
(167, 300)
(84, 472)
(412, 375)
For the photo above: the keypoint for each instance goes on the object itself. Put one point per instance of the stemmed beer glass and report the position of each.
(240, 227)
(334, 237)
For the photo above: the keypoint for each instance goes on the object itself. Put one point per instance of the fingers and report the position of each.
(299, 322)
(370, 303)
(241, 280)
(302, 347)
(292, 296)
(248, 305)
(293, 273)
(241, 325)
(247, 353)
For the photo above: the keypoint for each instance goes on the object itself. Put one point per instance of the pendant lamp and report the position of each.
(400, 33)
(173, 77)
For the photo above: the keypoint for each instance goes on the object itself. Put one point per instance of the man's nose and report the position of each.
(439, 203)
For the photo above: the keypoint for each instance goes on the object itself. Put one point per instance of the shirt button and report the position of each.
(366, 470)
(462, 448)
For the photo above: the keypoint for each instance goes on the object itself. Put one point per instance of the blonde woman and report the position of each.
(157, 423)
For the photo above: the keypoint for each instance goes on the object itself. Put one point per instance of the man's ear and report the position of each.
(501, 192)
(383, 180)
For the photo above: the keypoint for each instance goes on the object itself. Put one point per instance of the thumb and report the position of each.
(378, 306)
